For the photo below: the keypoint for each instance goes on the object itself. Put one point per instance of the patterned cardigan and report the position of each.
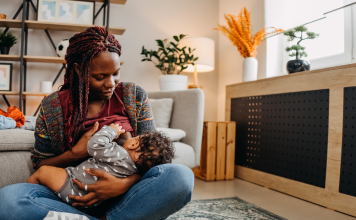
(49, 132)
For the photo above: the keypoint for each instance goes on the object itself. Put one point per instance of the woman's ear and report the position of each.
(76, 68)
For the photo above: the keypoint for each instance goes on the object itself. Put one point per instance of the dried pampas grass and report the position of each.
(239, 33)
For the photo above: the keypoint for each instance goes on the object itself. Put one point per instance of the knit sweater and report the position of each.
(49, 132)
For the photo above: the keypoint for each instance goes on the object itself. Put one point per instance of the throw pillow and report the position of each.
(173, 134)
(162, 110)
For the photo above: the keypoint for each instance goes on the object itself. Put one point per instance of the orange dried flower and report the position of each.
(238, 30)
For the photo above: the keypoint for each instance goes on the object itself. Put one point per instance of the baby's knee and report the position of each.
(43, 170)
(34, 178)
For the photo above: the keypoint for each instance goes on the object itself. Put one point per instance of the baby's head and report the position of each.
(149, 149)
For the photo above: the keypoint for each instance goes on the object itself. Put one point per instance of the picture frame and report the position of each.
(63, 11)
(5, 76)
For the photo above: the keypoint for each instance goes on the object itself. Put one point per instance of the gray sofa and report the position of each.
(187, 115)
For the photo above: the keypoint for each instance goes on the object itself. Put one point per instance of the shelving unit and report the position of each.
(53, 26)
(26, 24)
(35, 59)
(25, 93)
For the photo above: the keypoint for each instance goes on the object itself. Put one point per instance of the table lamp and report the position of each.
(205, 51)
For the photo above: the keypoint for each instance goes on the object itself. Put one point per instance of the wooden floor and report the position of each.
(281, 204)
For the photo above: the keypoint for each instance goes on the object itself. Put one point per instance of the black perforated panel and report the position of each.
(348, 158)
(283, 134)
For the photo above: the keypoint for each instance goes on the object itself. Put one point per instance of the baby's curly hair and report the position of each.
(156, 149)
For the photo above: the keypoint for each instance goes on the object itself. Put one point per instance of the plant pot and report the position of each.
(5, 50)
(250, 67)
(294, 66)
(172, 82)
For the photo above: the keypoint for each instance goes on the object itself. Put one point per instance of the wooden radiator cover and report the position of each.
(330, 102)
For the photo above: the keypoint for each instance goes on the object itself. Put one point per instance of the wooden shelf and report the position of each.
(39, 59)
(35, 94)
(9, 93)
(10, 23)
(9, 57)
(121, 2)
(55, 26)
(44, 59)
(24, 93)
(36, 59)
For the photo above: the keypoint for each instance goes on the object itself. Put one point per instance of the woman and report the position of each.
(92, 92)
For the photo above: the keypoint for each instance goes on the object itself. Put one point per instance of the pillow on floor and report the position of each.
(161, 110)
(173, 134)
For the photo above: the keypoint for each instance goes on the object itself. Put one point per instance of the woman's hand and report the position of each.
(107, 187)
(79, 151)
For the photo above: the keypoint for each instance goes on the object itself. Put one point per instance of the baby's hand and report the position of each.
(118, 129)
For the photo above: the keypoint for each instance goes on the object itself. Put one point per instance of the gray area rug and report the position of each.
(222, 209)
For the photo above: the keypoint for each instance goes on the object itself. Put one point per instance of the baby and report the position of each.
(136, 155)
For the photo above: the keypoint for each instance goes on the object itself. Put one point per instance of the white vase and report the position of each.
(250, 67)
(172, 82)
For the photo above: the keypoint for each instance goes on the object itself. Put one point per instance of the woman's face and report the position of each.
(104, 75)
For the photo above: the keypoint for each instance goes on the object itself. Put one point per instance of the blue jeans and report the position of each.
(162, 191)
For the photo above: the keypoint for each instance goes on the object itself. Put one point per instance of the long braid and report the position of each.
(83, 47)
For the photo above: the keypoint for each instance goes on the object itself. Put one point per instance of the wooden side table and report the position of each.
(217, 160)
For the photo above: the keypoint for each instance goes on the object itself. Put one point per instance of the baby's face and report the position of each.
(132, 146)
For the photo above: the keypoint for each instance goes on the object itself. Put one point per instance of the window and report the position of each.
(332, 48)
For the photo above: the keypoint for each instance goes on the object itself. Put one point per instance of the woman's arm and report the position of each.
(68, 158)
(145, 120)
(64, 160)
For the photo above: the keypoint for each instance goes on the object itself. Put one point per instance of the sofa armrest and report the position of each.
(187, 114)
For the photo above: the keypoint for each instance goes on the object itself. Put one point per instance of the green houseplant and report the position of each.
(297, 50)
(7, 40)
(171, 60)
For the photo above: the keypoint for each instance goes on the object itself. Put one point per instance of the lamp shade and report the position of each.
(204, 50)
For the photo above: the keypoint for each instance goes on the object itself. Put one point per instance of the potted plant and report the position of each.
(239, 33)
(171, 60)
(298, 65)
(7, 40)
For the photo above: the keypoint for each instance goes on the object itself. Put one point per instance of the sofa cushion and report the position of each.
(184, 154)
(161, 110)
(172, 134)
(16, 167)
(16, 139)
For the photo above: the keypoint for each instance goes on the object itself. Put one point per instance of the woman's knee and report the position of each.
(181, 178)
(175, 177)
(10, 194)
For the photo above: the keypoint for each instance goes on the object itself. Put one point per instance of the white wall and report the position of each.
(144, 21)
(230, 60)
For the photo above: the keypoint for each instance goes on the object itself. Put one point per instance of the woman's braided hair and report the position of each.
(83, 47)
